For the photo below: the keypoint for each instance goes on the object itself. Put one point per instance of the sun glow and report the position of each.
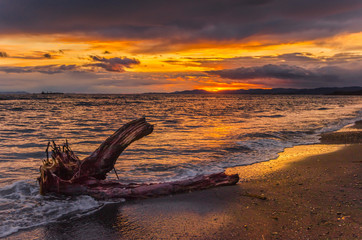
(214, 86)
(181, 64)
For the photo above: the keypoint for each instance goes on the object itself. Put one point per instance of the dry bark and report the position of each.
(65, 173)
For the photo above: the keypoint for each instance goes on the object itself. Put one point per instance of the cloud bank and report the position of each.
(47, 69)
(116, 64)
(291, 76)
(180, 21)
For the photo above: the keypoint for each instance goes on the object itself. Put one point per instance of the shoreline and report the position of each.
(308, 192)
(329, 142)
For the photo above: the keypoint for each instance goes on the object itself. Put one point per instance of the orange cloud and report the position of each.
(183, 59)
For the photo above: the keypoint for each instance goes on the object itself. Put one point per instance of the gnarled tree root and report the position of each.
(64, 173)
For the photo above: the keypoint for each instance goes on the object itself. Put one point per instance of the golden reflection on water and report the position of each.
(221, 131)
(193, 133)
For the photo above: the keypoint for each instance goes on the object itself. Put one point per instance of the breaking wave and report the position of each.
(22, 207)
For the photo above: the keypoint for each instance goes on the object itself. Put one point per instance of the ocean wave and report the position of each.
(340, 123)
(22, 207)
(86, 104)
(258, 135)
(271, 116)
(17, 109)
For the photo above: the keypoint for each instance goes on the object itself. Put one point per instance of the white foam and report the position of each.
(21, 207)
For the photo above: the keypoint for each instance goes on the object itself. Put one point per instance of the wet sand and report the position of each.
(309, 192)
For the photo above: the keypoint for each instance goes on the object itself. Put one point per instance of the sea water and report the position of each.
(193, 134)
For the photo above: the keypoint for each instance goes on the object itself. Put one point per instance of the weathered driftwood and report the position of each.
(65, 173)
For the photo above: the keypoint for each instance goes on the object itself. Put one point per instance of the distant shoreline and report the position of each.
(354, 90)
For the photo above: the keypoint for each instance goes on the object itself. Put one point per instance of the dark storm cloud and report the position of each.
(303, 59)
(47, 69)
(116, 64)
(184, 20)
(36, 55)
(3, 54)
(266, 71)
(292, 76)
(47, 55)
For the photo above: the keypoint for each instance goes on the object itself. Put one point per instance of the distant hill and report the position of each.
(358, 92)
(293, 91)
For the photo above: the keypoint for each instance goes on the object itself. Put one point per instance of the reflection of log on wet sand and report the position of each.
(64, 173)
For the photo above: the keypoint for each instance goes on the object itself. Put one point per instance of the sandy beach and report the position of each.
(308, 192)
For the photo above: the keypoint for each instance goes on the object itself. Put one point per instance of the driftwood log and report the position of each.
(65, 173)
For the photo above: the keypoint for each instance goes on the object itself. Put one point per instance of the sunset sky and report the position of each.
(116, 46)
